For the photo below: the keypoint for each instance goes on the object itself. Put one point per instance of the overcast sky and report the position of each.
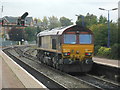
(58, 8)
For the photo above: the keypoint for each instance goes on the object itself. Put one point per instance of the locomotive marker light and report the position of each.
(88, 54)
(108, 44)
(67, 54)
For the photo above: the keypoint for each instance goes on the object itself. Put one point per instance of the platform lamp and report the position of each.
(108, 44)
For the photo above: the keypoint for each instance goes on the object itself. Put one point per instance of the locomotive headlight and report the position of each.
(88, 54)
(77, 52)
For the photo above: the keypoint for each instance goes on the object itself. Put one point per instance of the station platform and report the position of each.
(14, 76)
(107, 62)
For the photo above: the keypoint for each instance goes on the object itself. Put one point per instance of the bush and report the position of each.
(96, 49)
(107, 52)
(104, 52)
(112, 53)
(115, 50)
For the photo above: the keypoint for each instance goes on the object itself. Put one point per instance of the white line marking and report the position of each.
(107, 64)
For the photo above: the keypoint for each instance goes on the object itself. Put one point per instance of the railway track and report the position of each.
(99, 82)
(53, 78)
(33, 71)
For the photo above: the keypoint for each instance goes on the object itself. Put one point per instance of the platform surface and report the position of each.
(9, 79)
(108, 62)
(13, 76)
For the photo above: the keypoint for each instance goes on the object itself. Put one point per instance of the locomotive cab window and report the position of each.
(53, 43)
(69, 39)
(85, 38)
(40, 41)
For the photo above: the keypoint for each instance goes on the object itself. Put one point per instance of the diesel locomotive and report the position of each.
(69, 49)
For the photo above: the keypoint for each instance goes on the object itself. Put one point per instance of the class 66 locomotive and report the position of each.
(69, 49)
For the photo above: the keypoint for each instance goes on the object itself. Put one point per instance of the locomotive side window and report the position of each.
(40, 41)
(85, 38)
(53, 43)
(70, 39)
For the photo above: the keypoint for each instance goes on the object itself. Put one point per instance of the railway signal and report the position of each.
(21, 20)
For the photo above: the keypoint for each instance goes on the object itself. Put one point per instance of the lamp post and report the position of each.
(108, 44)
(82, 17)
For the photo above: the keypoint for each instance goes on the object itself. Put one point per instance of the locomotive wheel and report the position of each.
(57, 66)
(54, 64)
(41, 58)
(61, 67)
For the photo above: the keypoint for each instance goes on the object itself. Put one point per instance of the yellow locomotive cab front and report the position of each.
(77, 51)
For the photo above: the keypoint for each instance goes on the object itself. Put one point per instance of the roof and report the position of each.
(13, 20)
(55, 31)
(60, 30)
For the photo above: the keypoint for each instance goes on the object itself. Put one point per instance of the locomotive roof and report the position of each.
(56, 31)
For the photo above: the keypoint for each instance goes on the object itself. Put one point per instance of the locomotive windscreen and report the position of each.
(69, 39)
(85, 38)
(77, 38)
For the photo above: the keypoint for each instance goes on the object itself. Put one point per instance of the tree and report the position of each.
(37, 20)
(100, 34)
(44, 23)
(89, 20)
(65, 21)
(16, 34)
(119, 30)
(102, 20)
(30, 33)
(114, 33)
(53, 22)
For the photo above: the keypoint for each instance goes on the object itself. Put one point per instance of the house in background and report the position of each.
(14, 20)
(10, 22)
(29, 21)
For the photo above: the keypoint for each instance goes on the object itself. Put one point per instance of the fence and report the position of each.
(5, 43)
